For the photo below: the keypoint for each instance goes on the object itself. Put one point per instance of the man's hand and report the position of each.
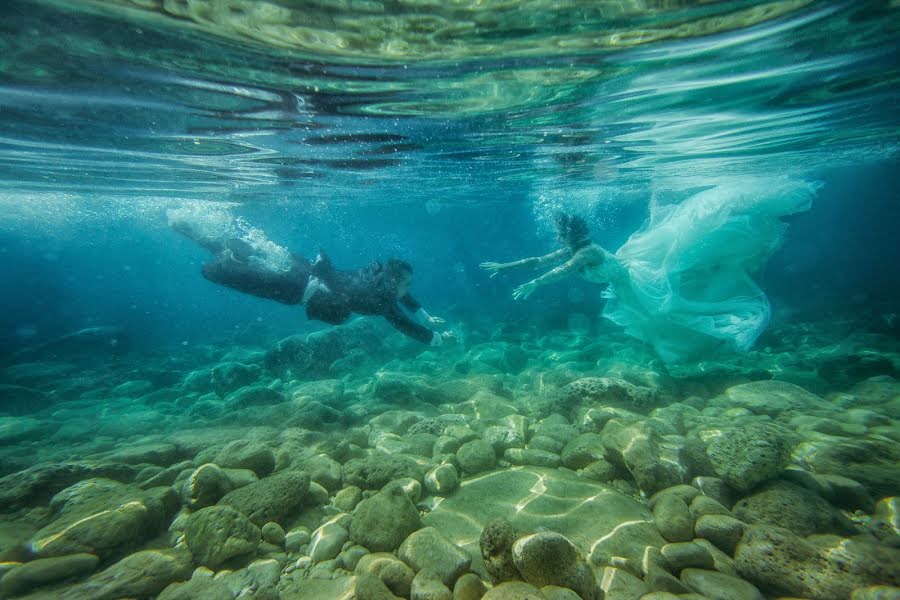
(526, 289)
(449, 337)
(492, 267)
(435, 320)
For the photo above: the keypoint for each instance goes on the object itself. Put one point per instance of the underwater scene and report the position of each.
(473, 299)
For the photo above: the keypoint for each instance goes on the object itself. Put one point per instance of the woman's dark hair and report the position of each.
(573, 231)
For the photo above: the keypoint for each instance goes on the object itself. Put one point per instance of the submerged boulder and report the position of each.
(103, 517)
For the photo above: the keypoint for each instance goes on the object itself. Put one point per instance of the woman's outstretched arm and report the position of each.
(494, 267)
(573, 265)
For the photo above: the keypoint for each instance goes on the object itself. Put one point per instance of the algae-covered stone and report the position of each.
(826, 567)
(369, 587)
(42, 571)
(548, 558)
(219, 533)
(374, 472)
(324, 470)
(393, 572)
(637, 447)
(684, 555)
(618, 583)
(673, 519)
(271, 499)
(770, 397)
(428, 549)
(583, 450)
(476, 456)
(604, 391)
(514, 590)
(254, 395)
(382, 522)
(427, 585)
(442, 479)
(871, 460)
(102, 517)
(792, 507)
(495, 542)
(230, 376)
(205, 486)
(531, 456)
(469, 587)
(198, 588)
(36, 485)
(246, 454)
(143, 574)
(747, 455)
(719, 586)
(273, 533)
(723, 531)
(347, 499)
(326, 542)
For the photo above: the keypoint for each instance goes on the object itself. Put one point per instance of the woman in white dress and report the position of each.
(683, 283)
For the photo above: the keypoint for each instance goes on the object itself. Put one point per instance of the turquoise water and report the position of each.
(711, 384)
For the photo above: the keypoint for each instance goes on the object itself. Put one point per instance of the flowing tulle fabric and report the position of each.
(687, 287)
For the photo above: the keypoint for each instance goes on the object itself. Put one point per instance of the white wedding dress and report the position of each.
(684, 283)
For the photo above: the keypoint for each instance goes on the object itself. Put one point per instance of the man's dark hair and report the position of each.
(573, 231)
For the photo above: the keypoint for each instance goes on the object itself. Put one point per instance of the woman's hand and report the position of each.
(493, 267)
(526, 289)
(449, 337)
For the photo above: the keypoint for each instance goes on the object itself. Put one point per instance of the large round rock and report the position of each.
(218, 533)
(382, 522)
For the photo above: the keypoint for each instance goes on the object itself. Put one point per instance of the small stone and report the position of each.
(548, 558)
(445, 445)
(205, 486)
(746, 456)
(326, 542)
(476, 457)
(428, 549)
(469, 587)
(273, 533)
(350, 557)
(703, 505)
(719, 586)
(673, 519)
(617, 583)
(722, 531)
(514, 590)
(715, 488)
(531, 456)
(583, 450)
(600, 470)
(427, 585)
(293, 539)
(684, 555)
(347, 499)
(389, 569)
(369, 587)
(496, 541)
(687, 493)
(441, 480)
(546, 443)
